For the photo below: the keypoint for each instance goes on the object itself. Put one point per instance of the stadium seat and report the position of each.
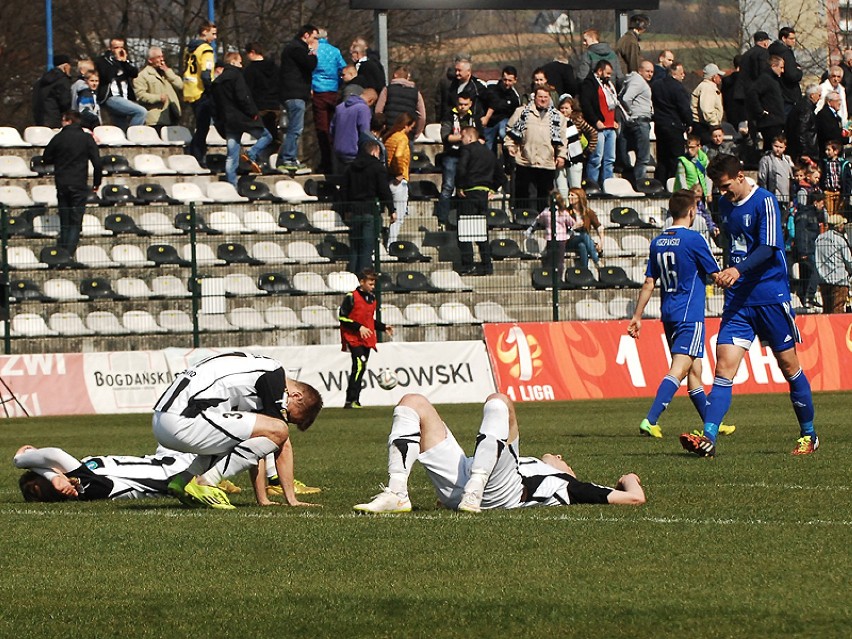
(420, 314)
(292, 191)
(165, 254)
(433, 132)
(624, 216)
(46, 225)
(143, 135)
(38, 166)
(216, 162)
(715, 305)
(169, 286)
(108, 135)
(176, 135)
(248, 319)
(183, 222)
(310, 282)
(9, 136)
(414, 281)
(407, 252)
(579, 278)
(456, 313)
(63, 290)
(224, 192)
(12, 166)
(204, 255)
(256, 191)
(295, 221)
(620, 187)
(543, 279)
(157, 224)
(185, 164)
(499, 219)
(121, 223)
(611, 248)
(319, 317)
(420, 163)
(247, 139)
(614, 277)
(637, 245)
(21, 226)
(149, 164)
(506, 249)
(188, 192)
(328, 221)
(151, 193)
(45, 195)
(392, 316)
(129, 256)
(386, 283)
(437, 239)
(590, 310)
(236, 253)
(636, 273)
(422, 191)
(133, 287)
(670, 182)
(282, 317)
(38, 135)
(491, 312)
(270, 253)
(112, 164)
(621, 307)
(23, 290)
(14, 196)
(117, 195)
(651, 188)
(104, 323)
(56, 257)
(175, 321)
(324, 190)
(99, 288)
(276, 284)
(227, 222)
(211, 323)
(305, 253)
(592, 188)
(261, 221)
(334, 250)
(447, 280)
(31, 325)
(94, 256)
(68, 324)
(241, 285)
(141, 322)
(23, 258)
(214, 139)
(342, 281)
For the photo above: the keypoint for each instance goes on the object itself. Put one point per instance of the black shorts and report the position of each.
(582, 492)
(92, 487)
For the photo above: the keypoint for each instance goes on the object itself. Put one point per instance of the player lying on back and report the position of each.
(681, 259)
(495, 477)
(55, 475)
(757, 304)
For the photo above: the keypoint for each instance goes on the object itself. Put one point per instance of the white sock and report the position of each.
(239, 459)
(491, 440)
(270, 466)
(403, 447)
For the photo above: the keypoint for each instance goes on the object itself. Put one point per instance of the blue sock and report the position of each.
(718, 403)
(803, 402)
(667, 389)
(699, 400)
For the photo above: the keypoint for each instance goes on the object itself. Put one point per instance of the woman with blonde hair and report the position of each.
(587, 222)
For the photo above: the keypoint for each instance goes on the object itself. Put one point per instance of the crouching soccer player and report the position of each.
(680, 258)
(232, 410)
(757, 303)
(495, 477)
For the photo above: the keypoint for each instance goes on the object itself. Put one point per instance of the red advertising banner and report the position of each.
(597, 360)
(47, 384)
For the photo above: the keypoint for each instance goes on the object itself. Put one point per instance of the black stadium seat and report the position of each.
(22, 290)
(414, 281)
(295, 221)
(37, 164)
(507, 249)
(165, 254)
(334, 249)
(651, 187)
(407, 252)
(183, 222)
(592, 188)
(579, 278)
(386, 283)
(58, 257)
(615, 277)
(120, 223)
(113, 164)
(99, 288)
(276, 284)
(152, 193)
(235, 253)
(543, 279)
(524, 217)
(421, 190)
(625, 216)
(113, 194)
(256, 191)
(499, 219)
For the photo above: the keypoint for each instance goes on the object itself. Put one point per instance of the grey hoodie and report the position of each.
(590, 58)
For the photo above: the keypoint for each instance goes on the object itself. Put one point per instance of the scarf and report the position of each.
(609, 94)
(519, 128)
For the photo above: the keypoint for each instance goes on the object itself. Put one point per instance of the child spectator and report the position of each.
(557, 238)
(588, 133)
(84, 67)
(570, 175)
(775, 171)
(832, 176)
(718, 144)
(87, 101)
(809, 218)
(692, 167)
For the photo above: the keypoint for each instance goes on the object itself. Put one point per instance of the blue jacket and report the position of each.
(330, 63)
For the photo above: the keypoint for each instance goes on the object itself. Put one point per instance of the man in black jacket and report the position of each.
(115, 91)
(783, 48)
(371, 73)
(829, 124)
(298, 61)
(52, 93)
(364, 182)
(765, 102)
(70, 151)
(801, 126)
(261, 77)
(236, 114)
(672, 117)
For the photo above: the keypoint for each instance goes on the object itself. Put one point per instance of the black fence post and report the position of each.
(555, 275)
(195, 287)
(5, 313)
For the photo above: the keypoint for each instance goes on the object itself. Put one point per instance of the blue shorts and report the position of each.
(774, 324)
(685, 338)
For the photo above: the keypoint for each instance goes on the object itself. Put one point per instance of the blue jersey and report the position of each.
(680, 258)
(753, 222)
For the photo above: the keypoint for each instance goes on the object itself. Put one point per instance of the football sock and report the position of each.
(699, 400)
(271, 473)
(403, 447)
(666, 390)
(492, 436)
(718, 403)
(239, 459)
(803, 402)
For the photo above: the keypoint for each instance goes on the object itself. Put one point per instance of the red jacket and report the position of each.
(358, 309)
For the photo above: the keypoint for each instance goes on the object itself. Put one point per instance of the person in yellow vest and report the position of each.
(199, 61)
(692, 167)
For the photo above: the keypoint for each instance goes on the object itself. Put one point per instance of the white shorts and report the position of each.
(210, 433)
(449, 469)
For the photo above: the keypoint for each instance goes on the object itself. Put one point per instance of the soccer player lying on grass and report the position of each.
(757, 304)
(54, 475)
(495, 477)
(680, 258)
(232, 410)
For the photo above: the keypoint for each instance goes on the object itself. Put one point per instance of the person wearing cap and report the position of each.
(636, 100)
(833, 259)
(706, 103)
(792, 75)
(351, 118)
(500, 102)
(52, 93)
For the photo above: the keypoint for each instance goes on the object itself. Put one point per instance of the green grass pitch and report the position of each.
(754, 543)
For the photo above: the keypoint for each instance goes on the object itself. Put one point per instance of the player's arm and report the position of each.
(644, 296)
(258, 482)
(284, 467)
(628, 491)
(50, 463)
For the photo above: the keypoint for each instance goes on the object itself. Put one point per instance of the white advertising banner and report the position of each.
(125, 382)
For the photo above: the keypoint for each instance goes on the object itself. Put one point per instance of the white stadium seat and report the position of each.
(422, 315)
(214, 323)
(176, 135)
(9, 136)
(141, 322)
(305, 252)
(108, 135)
(150, 164)
(293, 192)
(249, 319)
(242, 284)
(38, 135)
(448, 280)
(620, 187)
(637, 245)
(175, 321)
(31, 325)
(328, 221)
(224, 192)
(342, 281)
(213, 137)
(392, 316)
(186, 165)
(68, 324)
(129, 255)
(169, 286)
(13, 166)
(433, 132)
(261, 222)
(282, 317)
(456, 313)
(93, 227)
(591, 309)
(204, 255)
(63, 290)
(188, 192)
(95, 257)
(320, 317)
(104, 323)
(47, 224)
(310, 283)
(227, 222)
(491, 312)
(22, 257)
(143, 135)
(158, 224)
(133, 287)
(621, 307)
(270, 253)
(15, 196)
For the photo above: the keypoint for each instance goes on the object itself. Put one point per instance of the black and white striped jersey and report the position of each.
(545, 485)
(128, 477)
(233, 381)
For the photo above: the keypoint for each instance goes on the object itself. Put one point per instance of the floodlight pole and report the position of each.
(380, 28)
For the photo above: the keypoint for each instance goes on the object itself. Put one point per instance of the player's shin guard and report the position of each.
(403, 447)
(718, 403)
(803, 402)
(665, 392)
(239, 459)
(699, 400)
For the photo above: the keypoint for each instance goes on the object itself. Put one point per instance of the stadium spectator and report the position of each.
(833, 259)
(692, 166)
(197, 77)
(378, 127)
(539, 80)
(706, 103)
(398, 146)
(358, 331)
(365, 182)
(637, 102)
(801, 129)
(460, 116)
(829, 126)
(809, 219)
(752, 65)
(348, 75)
(757, 305)
(835, 177)
(495, 477)
(478, 174)
(52, 93)
(588, 133)
(600, 102)
(463, 83)
(596, 51)
(672, 117)
(732, 104)
(84, 67)
(792, 72)
(834, 83)
(371, 73)
(664, 63)
(115, 92)
(681, 259)
(627, 48)
(325, 84)
(500, 102)
(233, 409)
(70, 151)
(298, 61)
(261, 76)
(86, 98)
(557, 235)
(402, 96)
(560, 75)
(157, 88)
(775, 171)
(765, 102)
(718, 144)
(587, 222)
(571, 174)
(236, 113)
(351, 119)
